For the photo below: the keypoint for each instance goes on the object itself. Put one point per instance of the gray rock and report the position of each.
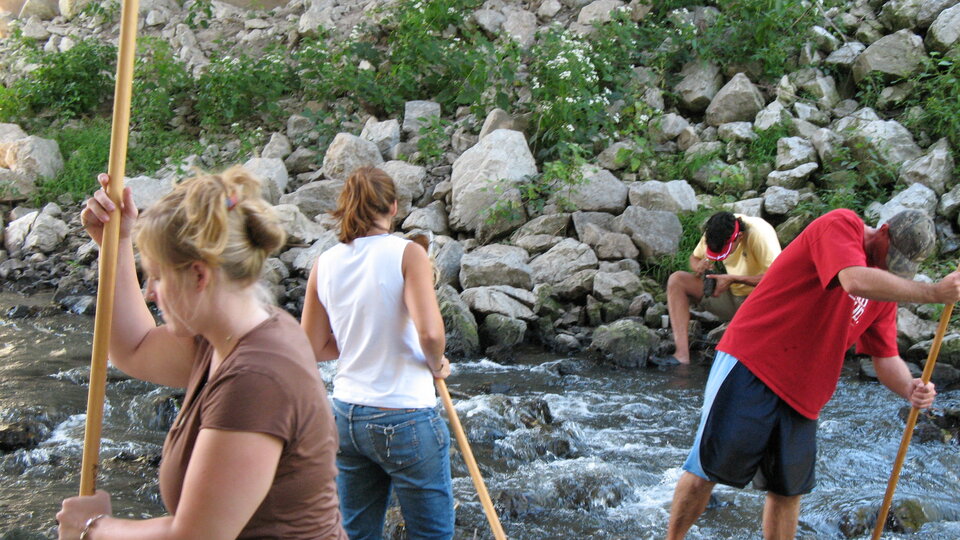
(810, 113)
(299, 127)
(793, 152)
(736, 132)
(738, 100)
(600, 191)
(537, 243)
(574, 288)
(550, 225)
(408, 180)
(299, 228)
(272, 174)
(599, 11)
(10, 133)
(487, 174)
(487, 300)
(917, 196)
(278, 147)
(315, 198)
(780, 201)
(944, 33)
(885, 141)
(898, 55)
(417, 114)
(701, 82)
(822, 87)
(520, 26)
(607, 244)
(615, 156)
(792, 179)
(562, 261)
(463, 338)
(899, 14)
(303, 262)
(319, 16)
(846, 55)
(147, 191)
(930, 10)
(911, 328)
(432, 217)
(549, 8)
(489, 20)
(655, 232)
(46, 234)
(496, 119)
(625, 343)
(748, 207)
(609, 286)
(32, 157)
(668, 127)
(41, 9)
(772, 115)
(447, 260)
(674, 196)
(348, 153)
(496, 264)
(949, 205)
(934, 169)
(384, 134)
(301, 160)
(828, 143)
(600, 219)
(824, 40)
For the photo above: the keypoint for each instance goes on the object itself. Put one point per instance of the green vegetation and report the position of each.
(692, 223)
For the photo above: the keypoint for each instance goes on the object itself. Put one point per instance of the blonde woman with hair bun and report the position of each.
(370, 302)
(251, 453)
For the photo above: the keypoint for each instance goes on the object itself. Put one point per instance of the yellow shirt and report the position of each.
(751, 257)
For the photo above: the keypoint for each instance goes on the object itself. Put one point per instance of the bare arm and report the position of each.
(421, 302)
(881, 285)
(217, 501)
(138, 346)
(316, 323)
(895, 375)
(700, 266)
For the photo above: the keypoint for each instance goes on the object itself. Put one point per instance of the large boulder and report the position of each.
(897, 55)
(502, 332)
(915, 197)
(449, 253)
(348, 153)
(417, 114)
(496, 264)
(883, 141)
(738, 101)
(384, 134)
(487, 175)
(934, 169)
(147, 190)
(315, 198)
(272, 174)
(501, 299)
(944, 33)
(300, 229)
(600, 191)
(793, 152)
(623, 285)
(35, 232)
(562, 261)
(673, 196)
(432, 217)
(655, 232)
(701, 82)
(608, 245)
(30, 158)
(624, 343)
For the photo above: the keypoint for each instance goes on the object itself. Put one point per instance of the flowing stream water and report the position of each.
(569, 449)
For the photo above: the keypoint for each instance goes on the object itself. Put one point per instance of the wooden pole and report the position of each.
(911, 422)
(109, 246)
(471, 462)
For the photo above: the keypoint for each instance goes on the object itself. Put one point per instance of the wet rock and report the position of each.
(589, 492)
(543, 443)
(20, 434)
(501, 331)
(624, 343)
(462, 335)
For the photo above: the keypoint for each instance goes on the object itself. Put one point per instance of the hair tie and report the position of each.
(231, 202)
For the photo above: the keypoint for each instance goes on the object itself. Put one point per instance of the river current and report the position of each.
(569, 449)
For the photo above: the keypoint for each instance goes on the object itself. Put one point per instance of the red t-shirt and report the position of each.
(794, 329)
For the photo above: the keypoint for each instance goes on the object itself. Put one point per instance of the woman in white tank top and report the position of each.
(370, 302)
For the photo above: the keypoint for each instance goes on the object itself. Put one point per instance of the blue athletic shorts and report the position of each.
(748, 433)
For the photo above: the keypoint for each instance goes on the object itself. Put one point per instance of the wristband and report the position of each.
(89, 524)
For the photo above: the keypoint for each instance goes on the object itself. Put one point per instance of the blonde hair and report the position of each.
(220, 219)
(367, 195)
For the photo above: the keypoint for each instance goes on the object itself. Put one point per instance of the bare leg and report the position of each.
(780, 517)
(682, 287)
(690, 499)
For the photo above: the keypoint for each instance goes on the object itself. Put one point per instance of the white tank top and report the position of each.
(381, 364)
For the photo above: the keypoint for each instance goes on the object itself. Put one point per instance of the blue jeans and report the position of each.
(406, 450)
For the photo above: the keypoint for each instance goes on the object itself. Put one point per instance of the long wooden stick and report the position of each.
(471, 462)
(109, 247)
(911, 422)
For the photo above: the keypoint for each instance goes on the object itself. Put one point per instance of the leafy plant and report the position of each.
(557, 178)
(692, 224)
(70, 83)
(86, 151)
(236, 88)
(433, 139)
(160, 86)
(938, 95)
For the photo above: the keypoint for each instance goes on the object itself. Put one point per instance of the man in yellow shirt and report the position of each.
(746, 245)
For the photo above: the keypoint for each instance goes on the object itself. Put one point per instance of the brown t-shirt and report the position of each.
(268, 384)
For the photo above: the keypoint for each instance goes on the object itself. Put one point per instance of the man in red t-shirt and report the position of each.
(779, 362)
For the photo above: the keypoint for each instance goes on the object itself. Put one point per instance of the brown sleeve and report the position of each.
(249, 401)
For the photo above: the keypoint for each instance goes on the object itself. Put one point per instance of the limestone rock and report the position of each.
(147, 191)
(278, 147)
(917, 197)
(299, 228)
(738, 100)
(315, 198)
(934, 169)
(600, 191)
(625, 343)
(348, 153)
(673, 196)
(655, 232)
(793, 152)
(417, 114)
(496, 264)
(609, 286)
(944, 33)
(272, 174)
(780, 201)
(463, 339)
(408, 180)
(701, 82)
(897, 55)
(562, 261)
(384, 134)
(607, 244)
(497, 299)
(520, 26)
(793, 178)
(432, 217)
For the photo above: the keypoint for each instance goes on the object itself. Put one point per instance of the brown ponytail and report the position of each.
(220, 219)
(366, 196)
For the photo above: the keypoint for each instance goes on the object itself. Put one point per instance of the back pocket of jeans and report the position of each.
(396, 444)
